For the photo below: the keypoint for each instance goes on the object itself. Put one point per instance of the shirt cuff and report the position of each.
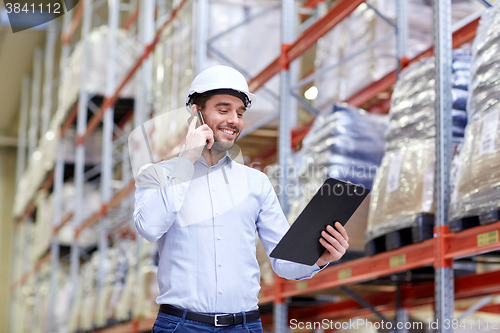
(319, 269)
(183, 169)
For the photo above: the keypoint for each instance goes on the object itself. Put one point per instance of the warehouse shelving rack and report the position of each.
(453, 245)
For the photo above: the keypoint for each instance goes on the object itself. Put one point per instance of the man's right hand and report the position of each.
(196, 139)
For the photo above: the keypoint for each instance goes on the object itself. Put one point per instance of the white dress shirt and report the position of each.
(205, 220)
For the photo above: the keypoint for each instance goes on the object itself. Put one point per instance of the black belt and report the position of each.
(216, 320)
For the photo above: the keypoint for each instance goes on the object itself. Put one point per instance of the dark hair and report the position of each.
(200, 101)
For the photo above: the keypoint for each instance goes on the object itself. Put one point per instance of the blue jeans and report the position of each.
(169, 324)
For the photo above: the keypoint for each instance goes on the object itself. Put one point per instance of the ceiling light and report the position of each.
(311, 93)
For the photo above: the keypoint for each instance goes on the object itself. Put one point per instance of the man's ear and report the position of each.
(194, 107)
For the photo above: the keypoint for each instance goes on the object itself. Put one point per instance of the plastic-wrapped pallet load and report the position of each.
(44, 223)
(146, 289)
(122, 263)
(402, 205)
(88, 289)
(346, 144)
(91, 202)
(476, 196)
(41, 300)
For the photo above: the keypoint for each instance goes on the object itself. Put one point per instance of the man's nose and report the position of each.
(232, 117)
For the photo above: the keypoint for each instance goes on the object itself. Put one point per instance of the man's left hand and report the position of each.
(335, 242)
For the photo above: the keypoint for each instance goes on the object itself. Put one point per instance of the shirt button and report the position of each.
(218, 238)
(220, 291)
(213, 189)
(216, 213)
(220, 265)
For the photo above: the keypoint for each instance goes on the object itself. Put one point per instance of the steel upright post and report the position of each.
(35, 102)
(107, 141)
(285, 135)
(58, 186)
(401, 30)
(444, 280)
(14, 277)
(23, 126)
(50, 43)
(54, 249)
(143, 81)
(81, 128)
(285, 150)
(201, 35)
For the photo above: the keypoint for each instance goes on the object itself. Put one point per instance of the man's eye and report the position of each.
(240, 115)
(223, 110)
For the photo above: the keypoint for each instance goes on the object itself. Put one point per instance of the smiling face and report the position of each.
(224, 115)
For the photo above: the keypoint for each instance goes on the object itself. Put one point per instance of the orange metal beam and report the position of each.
(110, 101)
(132, 18)
(473, 241)
(474, 285)
(66, 38)
(367, 268)
(466, 243)
(337, 13)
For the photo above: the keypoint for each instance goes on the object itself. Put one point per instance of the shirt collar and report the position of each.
(226, 159)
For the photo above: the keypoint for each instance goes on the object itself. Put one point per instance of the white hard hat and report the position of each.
(220, 80)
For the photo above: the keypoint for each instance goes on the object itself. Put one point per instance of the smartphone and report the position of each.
(200, 117)
(198, 112)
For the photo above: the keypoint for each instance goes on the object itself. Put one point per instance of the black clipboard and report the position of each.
(336, 200)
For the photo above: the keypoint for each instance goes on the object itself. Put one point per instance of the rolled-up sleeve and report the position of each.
(160, 190)
(272, 225)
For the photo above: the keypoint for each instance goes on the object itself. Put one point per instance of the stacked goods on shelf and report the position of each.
(61, 311)
(87, 288)
(41, 304)
(146, 289)
(347, 144)
(92, 203)
(129, 287)
(360, 29)
(402, 206)
(43, 160)
(32, 301)
(476, 196)
(43, 223)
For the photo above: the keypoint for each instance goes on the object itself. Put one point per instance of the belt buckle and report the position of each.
(216, 319)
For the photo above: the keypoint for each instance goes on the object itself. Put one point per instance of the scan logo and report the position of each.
(28, 14)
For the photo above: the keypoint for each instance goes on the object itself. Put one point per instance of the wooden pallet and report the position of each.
(468, 222)
(421, 229)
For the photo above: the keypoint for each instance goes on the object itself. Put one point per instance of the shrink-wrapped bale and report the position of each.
(44, 223)
(477, 192)
(403, 193)
(403, 189)
(146, 289)
(347, 144)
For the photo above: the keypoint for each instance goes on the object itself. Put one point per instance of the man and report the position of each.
(204, 210)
